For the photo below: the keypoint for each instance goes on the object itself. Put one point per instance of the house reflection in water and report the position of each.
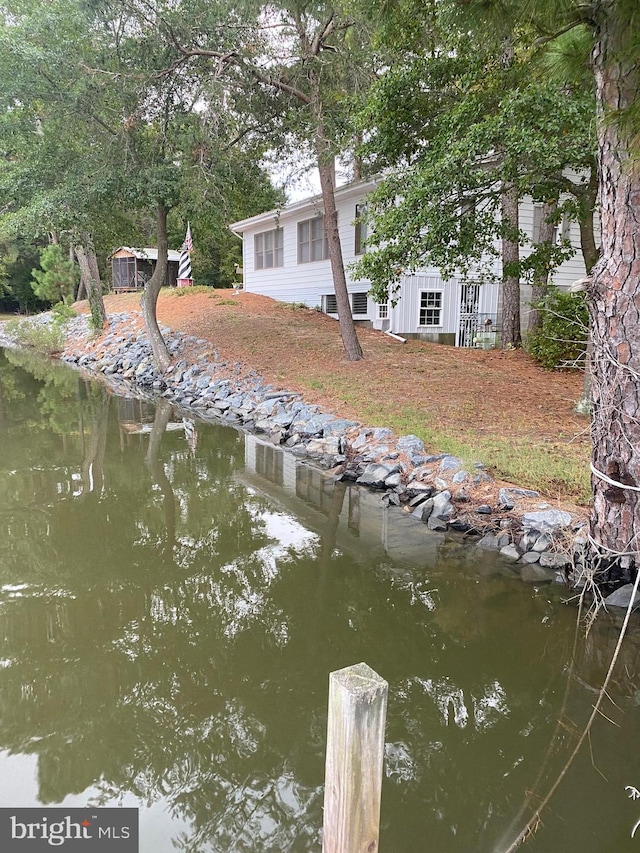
(354, 514)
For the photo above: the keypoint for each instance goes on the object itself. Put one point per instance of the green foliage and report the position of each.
(62, 311)
(47, 338)
(56, 279)
(561, 342)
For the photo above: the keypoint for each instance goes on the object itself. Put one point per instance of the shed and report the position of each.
(131, 268)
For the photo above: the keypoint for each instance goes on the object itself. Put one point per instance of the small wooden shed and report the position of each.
(131, 268)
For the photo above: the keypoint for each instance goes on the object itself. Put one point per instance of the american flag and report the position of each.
(188, 242)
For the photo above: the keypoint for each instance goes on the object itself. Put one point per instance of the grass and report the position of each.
(559, 470)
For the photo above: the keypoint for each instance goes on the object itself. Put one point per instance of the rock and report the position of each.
(440, 484)
(554, 561)
(423, 494)
(436, 523)
(530, 557)
(508, 497)
(393, 481)
(483, 509)
(489, 542)
(546, 520)
(338, 426)
(510, 552)
(459, 477)
(622, 596)
(391, 499)
(450, 463)
(376, 475)
(410, 444)
(542, 542)
(442, 506)
(423, 511)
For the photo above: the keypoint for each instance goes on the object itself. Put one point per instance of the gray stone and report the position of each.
(450, 463)
(391, 499)
(530, 557)
(508, 497)
(459, 477)
(410, 444)
(393, 481)
(376, 475)
(442, 506)
(622, 596)
(542, 542)
(503, 540)
(338, 426)
(382, 434)
(436, 523)
(440, 484)
(554, 561)
(423, 491)
(423, 511)
(510, 552)
(483, 509)
(546, 520)
(489, 542)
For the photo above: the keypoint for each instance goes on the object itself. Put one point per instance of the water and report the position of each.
(172, 601)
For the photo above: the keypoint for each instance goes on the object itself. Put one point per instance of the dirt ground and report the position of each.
(471, 392)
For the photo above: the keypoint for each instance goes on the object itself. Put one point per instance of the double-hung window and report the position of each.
(268, 249)
(430, 308)
(312, 240)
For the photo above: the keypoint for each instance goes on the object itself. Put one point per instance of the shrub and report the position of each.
(47, 338)
(561, 342)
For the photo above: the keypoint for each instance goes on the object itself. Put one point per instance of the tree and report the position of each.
(307, 54)
(465, 127)
(56, 278)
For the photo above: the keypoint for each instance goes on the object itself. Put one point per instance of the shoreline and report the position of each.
(542, 543)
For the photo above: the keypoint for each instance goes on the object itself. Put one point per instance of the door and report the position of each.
(468, 322)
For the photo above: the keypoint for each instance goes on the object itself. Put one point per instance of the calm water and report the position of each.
(173, 599)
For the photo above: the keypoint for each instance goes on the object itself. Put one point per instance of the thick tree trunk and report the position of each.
(511, 336)
(615, 305)
(324, 154)
(149, 298)
(541, 277)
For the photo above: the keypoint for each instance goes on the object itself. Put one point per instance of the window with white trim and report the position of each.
(430, 308)
(382, 310)
(268, 249)
(312, 240)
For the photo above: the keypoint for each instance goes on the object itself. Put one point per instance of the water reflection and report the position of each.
(173, 597)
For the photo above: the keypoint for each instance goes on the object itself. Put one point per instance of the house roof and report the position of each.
(356, 188)
(147, 254)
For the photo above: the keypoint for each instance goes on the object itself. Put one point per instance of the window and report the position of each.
(268, 249)
(358, 303)
(361, 229)
(312, 240)
(430, 308)
(382, 310)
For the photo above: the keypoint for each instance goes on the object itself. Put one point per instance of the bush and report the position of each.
(48, 338)
(562, 340)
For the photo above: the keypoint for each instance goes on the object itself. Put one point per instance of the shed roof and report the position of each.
(147, 254)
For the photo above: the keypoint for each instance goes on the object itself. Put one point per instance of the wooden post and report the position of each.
(355, 753)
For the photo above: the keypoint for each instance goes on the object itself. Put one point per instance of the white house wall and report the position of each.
(309, 282)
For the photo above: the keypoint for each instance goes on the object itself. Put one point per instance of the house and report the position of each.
(131, 269)
(285, 256)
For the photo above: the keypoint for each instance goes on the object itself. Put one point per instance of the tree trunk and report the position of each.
(324, 154)
(149, 298)
(511, 336)
(590, 256)
(88, 264)
(541, 277)
(614, 303)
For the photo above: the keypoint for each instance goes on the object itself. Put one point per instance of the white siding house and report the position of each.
(285, 257)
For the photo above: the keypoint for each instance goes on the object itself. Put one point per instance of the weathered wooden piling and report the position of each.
(355, 754)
